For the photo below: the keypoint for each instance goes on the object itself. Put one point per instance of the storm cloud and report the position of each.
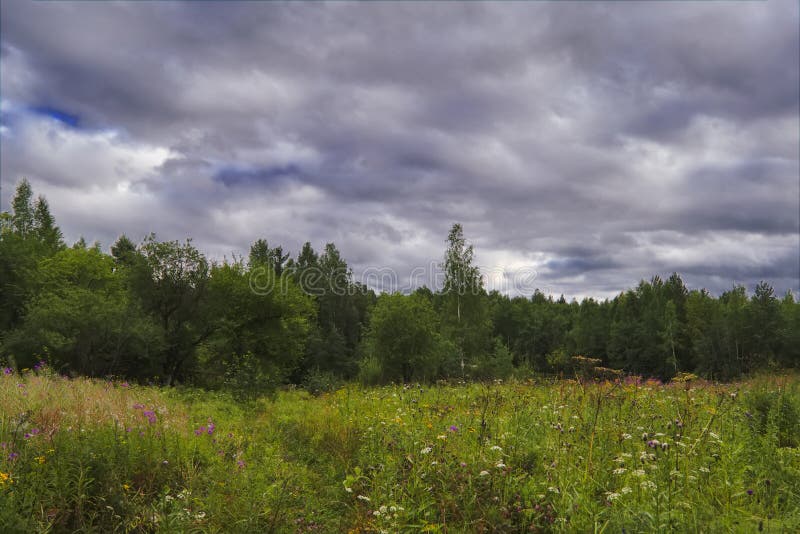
(593, 143)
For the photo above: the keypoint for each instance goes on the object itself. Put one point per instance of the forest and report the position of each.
(160, 312)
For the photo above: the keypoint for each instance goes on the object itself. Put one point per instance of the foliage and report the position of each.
(161, 312)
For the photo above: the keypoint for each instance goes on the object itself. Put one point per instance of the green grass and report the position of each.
(534, 457)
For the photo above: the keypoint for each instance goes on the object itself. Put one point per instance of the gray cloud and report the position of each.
(597, 143)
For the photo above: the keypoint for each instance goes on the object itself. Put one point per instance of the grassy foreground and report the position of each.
(99, 456)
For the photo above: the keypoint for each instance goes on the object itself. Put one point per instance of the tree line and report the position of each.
(160, 311)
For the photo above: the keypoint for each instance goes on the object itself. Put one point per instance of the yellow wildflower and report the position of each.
(40, 459)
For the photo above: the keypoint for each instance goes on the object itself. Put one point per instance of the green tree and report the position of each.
(262, 254)
(403, 337)
(269, 327)
(171, 282)
(466, 320)
(84, 321)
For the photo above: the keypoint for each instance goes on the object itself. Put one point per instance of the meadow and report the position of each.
(524, 456)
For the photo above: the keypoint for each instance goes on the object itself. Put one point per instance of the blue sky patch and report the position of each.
(60, 115)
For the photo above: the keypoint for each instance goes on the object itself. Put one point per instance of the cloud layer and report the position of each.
(595, 143)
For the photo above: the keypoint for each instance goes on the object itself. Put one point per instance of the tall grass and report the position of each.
(562, 456)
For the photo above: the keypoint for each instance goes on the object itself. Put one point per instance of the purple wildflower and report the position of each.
(151, 416)
(240, 463)
(41, 364)
(453, 428)
(124, 385)
(749, 492)
(138, 406)
(13, 456)
(211, 428)
(8, 371)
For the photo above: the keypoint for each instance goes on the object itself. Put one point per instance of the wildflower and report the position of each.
(4, 477)
(664, 446)
(500, 465)
(648, 485)
(13, 456)
(240, 464)
(211, 428)
(639, 473)
(625, 490)
(705, 470)
(126, 487)
(453, 428)
(363, 498)
(426, 450)
(483, 473)
(626, 436)
(151, 416)
(41, 364)
(40, 459)
(348, 490)
(138, 406)
(376, 513)
(552, 489)
(441, 436)
(619, 471)
(495, 448)
(124, 385)
(200, 515)
(749, 492)
(7, 371)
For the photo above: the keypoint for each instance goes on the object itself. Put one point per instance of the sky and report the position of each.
(582, 146)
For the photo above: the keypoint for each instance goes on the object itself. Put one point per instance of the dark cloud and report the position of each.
(596, 143)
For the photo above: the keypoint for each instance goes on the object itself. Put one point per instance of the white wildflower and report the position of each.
(363, 498)
(619, 471)
(483, 473)
(426, 450)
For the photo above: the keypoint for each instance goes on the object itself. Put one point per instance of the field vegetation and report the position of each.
(631, 455)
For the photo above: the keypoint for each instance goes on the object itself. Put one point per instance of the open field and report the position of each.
(104, 456)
